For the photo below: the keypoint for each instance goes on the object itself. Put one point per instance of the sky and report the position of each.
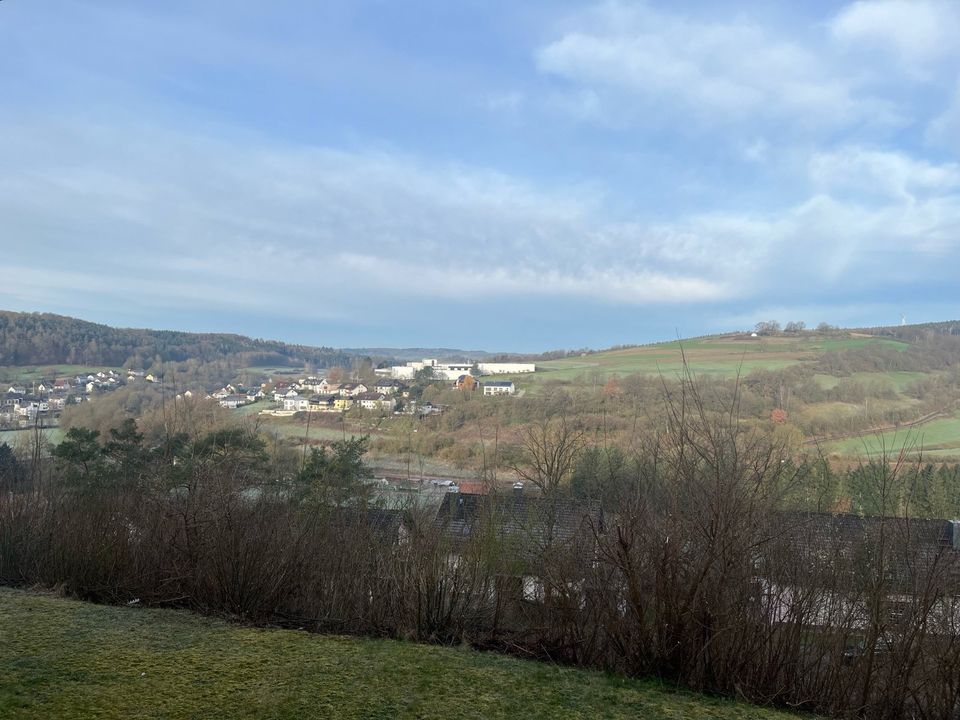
(481, 174)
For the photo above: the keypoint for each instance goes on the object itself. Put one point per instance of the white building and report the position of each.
(376, 401)
(232, 402)
(505, 368)
(499, 387)
(453, 370)
(296, 403)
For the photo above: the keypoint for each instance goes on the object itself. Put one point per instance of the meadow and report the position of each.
(67, 659)
(938, 439)
(725, 356)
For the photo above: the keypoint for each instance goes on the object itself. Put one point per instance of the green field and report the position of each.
(720, 356)
(70, 660)
(936, 439)
(14, 438)
(898, 381)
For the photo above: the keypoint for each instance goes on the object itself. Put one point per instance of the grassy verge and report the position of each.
(67, 659)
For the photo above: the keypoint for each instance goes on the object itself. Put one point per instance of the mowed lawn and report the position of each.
(937, 439)
(723, 356)
(66, 659)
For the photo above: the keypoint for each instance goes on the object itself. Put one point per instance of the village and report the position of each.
(390, 393)
(41, 402)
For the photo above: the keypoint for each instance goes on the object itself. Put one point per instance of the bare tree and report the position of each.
(550, 450)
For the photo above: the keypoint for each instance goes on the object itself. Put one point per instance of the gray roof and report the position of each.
(536, 522)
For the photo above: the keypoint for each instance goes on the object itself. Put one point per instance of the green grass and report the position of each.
(254, 408)
(937, 438)
(14, 438)
(896, 380)
(720, 356)
(67, 659)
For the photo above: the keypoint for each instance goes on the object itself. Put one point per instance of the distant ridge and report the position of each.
(420, 353)
(50, 339)
(913, 332)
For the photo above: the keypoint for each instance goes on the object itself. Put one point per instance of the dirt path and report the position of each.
(936, 415)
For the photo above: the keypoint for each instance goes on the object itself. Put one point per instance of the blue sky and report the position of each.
(497, 175)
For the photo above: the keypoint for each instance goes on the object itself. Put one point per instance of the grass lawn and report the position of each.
(940, 438)
(66, 659)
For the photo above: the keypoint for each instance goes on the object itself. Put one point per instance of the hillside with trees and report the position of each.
(47, 339)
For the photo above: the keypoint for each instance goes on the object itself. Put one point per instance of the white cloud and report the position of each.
(736, 69)
(165, 220)
(868, 172)
(916, 31)
(613, 285)
(258, 226)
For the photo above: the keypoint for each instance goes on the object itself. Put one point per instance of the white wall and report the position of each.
(505, 368)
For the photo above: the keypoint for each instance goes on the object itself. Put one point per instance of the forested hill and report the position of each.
(914, 333)
(46, 339)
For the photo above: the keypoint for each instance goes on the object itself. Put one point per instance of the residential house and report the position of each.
(284, 393)
(822, 584)
(232, 402)
(376, 401)
(313, 384)
(343, 402)
(388, 386)
(499, 387)
(297, 403)
(322, 403)
(224, 392)
(11, 399)
(465, 382)
(32, 406)
(528, 530)
(353, 389)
